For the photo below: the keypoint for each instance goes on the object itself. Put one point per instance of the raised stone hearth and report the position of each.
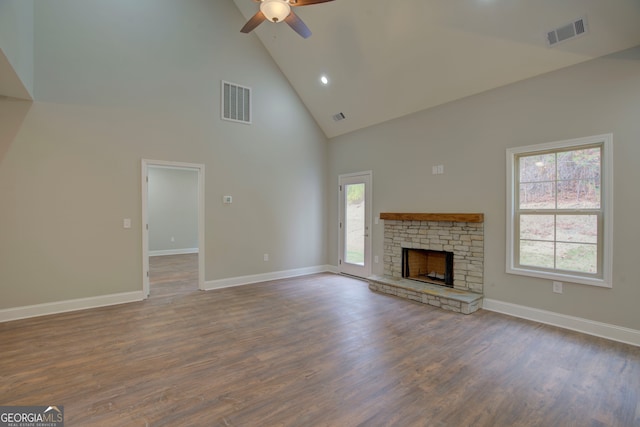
(464, 302)
(462, 234)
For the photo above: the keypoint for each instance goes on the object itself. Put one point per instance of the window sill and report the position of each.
(567, 278)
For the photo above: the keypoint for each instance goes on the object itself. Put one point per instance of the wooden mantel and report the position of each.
(451, 217)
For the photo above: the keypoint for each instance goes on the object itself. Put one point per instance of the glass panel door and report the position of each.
(355, 224)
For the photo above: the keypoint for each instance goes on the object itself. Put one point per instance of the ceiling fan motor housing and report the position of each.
(275, 10)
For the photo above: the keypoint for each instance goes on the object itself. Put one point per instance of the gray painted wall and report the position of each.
(173, 210)
(470, 137)
(17, 39)
(143, 82)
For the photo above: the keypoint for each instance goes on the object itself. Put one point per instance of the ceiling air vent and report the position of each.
(567, 32)
(236, 103)
(338, 117)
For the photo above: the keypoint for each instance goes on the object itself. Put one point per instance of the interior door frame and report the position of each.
(199, 168)
(342, 266)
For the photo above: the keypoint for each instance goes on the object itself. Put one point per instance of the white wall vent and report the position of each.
(236, 103)
(339, 116)
(567, 32)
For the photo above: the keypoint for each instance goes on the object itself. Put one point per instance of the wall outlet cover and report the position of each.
(557, 287)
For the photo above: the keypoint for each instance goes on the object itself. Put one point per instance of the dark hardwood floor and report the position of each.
(319, 350)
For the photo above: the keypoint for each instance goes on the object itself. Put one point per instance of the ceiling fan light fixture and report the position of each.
(275, 10)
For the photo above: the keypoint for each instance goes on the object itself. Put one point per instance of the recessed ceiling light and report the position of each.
(324, 80)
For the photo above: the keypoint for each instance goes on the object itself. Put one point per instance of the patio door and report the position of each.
(355, 224)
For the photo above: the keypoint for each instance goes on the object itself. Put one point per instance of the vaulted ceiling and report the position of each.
(385, 59)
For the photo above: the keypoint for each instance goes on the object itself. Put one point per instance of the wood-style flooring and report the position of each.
(173, 274)
(318, 350)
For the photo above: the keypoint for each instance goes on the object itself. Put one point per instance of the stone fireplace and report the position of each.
(443, 262)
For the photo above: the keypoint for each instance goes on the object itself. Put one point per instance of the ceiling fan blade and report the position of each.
(252, 23)
(298, 26)
(307, 2)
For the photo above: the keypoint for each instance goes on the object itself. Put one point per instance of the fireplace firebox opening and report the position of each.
(428, 266)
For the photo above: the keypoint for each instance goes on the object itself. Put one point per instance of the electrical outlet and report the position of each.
(557, 287)
(375, 259)
(266, 257)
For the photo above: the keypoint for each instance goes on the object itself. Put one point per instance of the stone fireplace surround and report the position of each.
(462, 234)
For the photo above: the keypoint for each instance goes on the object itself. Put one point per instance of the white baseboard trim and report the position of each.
(578, 324)
(173, 252)
(25, 312)
(332, 269)
(264, 277)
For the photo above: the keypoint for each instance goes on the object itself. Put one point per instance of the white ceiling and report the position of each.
(389, 58)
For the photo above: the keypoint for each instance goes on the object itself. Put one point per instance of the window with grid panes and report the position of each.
(559, 210)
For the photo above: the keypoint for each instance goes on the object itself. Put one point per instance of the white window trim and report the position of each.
(607, 200)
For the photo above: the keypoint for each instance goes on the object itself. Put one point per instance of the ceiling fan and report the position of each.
(280, 10)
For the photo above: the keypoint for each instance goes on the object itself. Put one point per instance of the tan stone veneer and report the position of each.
(464, 239)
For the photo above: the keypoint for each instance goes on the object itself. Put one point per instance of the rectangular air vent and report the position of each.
(338, 117)
(236, 103)
(567, 32)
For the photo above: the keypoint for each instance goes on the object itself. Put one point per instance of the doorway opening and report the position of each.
(173, 227)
